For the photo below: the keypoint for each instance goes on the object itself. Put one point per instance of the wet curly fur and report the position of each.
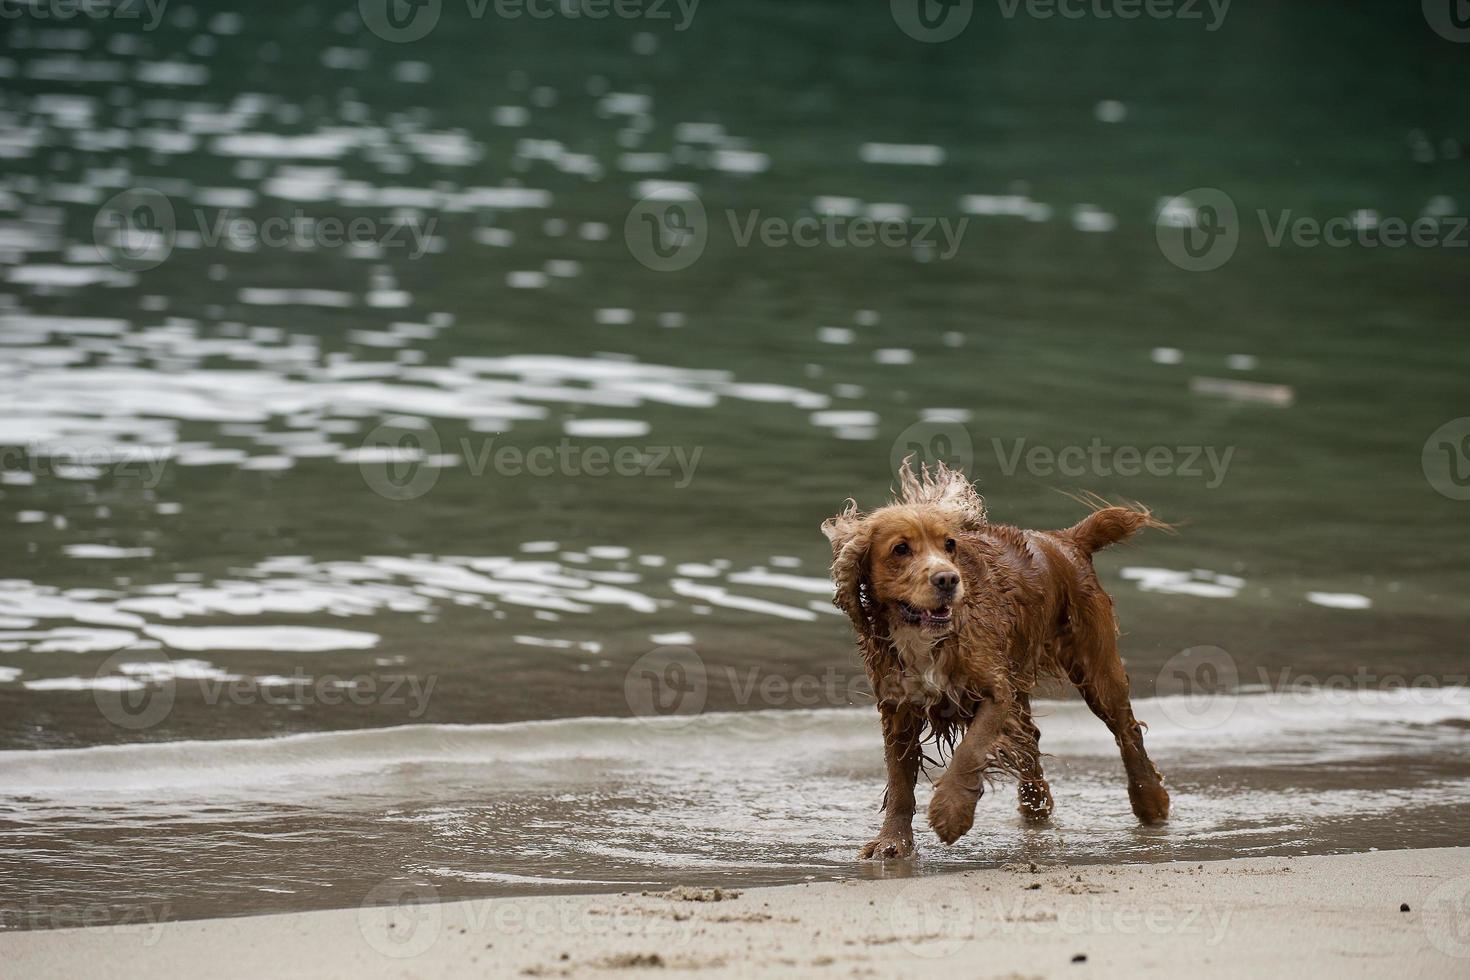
(956, 620)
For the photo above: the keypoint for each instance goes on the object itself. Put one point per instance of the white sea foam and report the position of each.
(607, 428)
(70, 639)
(717, 595)
(907, 154)
(1339, 600)
(300, 639)
(1200, 582)
(105, 551)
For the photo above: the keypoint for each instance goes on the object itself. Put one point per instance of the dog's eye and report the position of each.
(902, 548)
(949, 545)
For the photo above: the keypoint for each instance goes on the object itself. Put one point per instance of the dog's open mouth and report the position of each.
(937, 618)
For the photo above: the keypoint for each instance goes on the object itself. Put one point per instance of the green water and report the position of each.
(1040, 331)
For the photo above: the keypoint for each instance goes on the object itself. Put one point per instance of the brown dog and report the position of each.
(956, 618)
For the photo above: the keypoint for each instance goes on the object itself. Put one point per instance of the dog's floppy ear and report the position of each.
(850, 537)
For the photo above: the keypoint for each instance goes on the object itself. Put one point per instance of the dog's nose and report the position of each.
(945, 581)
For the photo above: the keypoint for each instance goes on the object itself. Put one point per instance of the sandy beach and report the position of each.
(1338, 916)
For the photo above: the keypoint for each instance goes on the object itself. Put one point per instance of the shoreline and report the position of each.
(1328, 915)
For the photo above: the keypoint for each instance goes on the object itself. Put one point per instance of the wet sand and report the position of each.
(1337, 915)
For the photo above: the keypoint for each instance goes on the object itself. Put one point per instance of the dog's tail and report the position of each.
(1108, 524)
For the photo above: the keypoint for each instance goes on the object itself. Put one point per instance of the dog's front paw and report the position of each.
(888, 846)
(1150, 803)
(951, 812)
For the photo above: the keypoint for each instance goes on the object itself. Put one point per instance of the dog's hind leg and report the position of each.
(1033, 793)
(1097, 670)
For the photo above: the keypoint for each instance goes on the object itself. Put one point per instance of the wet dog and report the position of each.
(956, 620)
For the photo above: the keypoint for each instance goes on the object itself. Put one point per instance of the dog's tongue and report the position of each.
(939, 615)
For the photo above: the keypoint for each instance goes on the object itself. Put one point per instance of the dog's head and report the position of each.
(900, 567)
